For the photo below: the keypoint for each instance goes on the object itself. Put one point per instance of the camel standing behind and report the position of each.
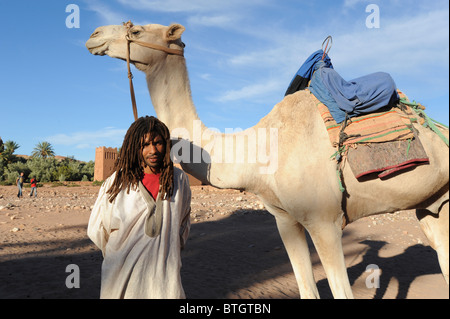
(297, 180)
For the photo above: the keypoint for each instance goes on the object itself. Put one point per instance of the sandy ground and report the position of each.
(234, 250)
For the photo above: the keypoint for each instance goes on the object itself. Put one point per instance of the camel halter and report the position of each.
(129, 25)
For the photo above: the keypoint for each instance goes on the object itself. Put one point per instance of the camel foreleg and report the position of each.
(327, 238)
(294, 240)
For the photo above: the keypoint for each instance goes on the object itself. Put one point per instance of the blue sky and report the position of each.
(241, 57)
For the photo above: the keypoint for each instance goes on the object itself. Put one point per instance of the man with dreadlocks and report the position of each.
(140, 219)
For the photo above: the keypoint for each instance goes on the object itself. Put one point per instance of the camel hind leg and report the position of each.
(436, 228)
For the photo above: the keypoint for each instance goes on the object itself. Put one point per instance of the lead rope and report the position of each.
(130, 75)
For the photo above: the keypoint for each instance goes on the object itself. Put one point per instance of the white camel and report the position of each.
(301, 189)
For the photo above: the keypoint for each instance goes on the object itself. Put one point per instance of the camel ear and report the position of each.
(174, 32)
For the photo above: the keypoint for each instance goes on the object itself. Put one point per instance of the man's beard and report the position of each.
(157, 164)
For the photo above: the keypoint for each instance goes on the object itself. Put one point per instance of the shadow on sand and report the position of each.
(223, 259)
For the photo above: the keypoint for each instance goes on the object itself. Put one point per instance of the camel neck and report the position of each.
(170, 91)
(206, 150)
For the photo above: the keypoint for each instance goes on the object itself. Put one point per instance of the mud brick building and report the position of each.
(104, 162)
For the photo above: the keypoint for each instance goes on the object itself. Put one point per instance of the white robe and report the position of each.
(134, 264)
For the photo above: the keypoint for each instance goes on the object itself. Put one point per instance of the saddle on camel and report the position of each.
(368, 119)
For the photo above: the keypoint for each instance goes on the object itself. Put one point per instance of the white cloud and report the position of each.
(107, 15)
(89, 139)
(205, 76)
(168, 5)
(402, 45)
(221, 21)
(268, 58)
(353, 3)
(83, 146)
(190, 6)
(251, 91)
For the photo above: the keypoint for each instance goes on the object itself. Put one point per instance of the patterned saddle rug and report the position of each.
(382, 143)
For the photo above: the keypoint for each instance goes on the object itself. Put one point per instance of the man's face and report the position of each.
(153, 151)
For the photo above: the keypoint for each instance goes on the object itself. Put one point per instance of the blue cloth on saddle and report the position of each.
(307, 68)
(304, 74)
(363, 95)
(320, 91)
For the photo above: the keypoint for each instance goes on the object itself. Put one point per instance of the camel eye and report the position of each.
(136, 32)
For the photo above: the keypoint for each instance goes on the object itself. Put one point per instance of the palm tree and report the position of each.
(11, 146)
(7, 150)
(43, 150)
(7, 156)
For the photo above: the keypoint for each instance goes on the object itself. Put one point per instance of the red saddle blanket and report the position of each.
(383, 143)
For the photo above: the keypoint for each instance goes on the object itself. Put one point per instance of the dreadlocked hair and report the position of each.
(128, 166)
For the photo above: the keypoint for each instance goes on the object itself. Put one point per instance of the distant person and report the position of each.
(19, 182)
(140, 220)
(33, 183)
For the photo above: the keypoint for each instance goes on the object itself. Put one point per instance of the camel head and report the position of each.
(112, 40)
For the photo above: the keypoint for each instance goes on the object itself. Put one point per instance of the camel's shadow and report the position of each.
(396, 267)
(241, 258)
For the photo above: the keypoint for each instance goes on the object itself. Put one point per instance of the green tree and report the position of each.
(64, 173)
(87, 170)
(44, 169)
(9, 147)
(7, 156)
(43, 150)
